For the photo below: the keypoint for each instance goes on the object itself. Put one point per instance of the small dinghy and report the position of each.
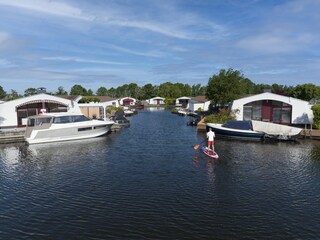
(210, 153)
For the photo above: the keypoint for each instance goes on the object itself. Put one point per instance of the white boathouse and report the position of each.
(270, 107)
(14, 113)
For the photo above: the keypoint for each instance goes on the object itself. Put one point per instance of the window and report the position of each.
(80, 118)
(256, 113)
(286, 115)
(40, 121)
(276, 115)
(63, 119)
(247, 112)
(84, 129)
(97, 127)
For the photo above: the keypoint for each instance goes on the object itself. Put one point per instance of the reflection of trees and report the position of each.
(315, 152)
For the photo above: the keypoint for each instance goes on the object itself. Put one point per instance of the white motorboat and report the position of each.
(55, 127)
(254, 130)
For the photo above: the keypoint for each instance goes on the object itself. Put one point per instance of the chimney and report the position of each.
(267, 90)
(42, 90)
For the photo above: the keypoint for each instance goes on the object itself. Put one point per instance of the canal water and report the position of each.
(148, 182)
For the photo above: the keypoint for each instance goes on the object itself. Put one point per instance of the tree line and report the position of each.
(222, 88)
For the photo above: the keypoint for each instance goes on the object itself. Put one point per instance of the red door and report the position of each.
(266, 111)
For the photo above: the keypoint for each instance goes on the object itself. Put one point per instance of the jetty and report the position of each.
(15, 135)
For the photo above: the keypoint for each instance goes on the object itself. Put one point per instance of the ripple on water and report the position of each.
(147, 181)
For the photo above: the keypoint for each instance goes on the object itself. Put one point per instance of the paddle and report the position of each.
(197, 146)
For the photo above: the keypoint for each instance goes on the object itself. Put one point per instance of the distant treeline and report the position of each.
(222, 88)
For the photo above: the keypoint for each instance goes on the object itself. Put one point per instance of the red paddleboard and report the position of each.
(210, 153)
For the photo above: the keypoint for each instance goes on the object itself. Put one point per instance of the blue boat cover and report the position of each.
(242, 125)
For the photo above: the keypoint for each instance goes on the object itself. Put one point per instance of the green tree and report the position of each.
(280, 89)
(112, 92)
(78, 90)
(148, 91)
(13, 95)
(2, 93)
(169, 90)
(226, 86)
(260, 88)
(30, 92)
(102, 91)
(186, 90)
(305, 91)
(90, 92)
(316, 115)
(132, 90)
(61, 91)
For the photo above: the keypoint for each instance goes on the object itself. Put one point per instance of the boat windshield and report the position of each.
(38, 121)
(241, 125)
(70, 119)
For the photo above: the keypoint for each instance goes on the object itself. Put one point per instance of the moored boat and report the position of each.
(235, 129)
(54, 127)
(255, 130)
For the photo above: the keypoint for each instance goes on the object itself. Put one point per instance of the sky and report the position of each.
(109, 43)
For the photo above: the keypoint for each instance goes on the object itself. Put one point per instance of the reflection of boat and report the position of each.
(210, 152)
(254, 130)
(54, 127)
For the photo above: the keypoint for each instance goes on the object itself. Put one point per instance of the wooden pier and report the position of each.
(15, 135)
(310, 133)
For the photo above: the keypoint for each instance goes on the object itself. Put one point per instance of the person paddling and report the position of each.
(211, 135)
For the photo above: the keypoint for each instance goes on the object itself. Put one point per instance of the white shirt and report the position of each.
(210, 135)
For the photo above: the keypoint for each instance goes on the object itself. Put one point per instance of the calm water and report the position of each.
(147, 182)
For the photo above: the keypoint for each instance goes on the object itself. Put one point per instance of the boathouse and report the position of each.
(14, 113)
(127, 101)
(156, 100)
(183, 102)
(199, 103)
(270, 107)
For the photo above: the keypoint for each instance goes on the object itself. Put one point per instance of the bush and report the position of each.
(113, 108)
(316, 116)
(89, 99)
(170, 101)
(220, 117)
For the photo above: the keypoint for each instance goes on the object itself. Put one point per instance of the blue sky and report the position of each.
(94, 43)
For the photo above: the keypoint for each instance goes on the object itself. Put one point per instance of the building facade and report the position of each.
(270, 107)
(14, 113)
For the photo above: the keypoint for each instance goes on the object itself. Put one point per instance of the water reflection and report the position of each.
(39, 156)
(147, 182)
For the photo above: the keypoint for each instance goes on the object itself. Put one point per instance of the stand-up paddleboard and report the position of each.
(210, 153)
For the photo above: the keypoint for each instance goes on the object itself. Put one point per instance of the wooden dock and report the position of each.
(310, 133)
(15, 135)
(201, 126)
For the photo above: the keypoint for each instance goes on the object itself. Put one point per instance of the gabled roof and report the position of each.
(271, 96)
(184, 98)
(161, 98)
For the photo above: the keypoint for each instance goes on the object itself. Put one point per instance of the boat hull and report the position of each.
(234, 133)
(69, 133)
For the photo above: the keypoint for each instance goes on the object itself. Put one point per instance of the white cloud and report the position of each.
(6, 64)
(271, 43)
(48, 7)
(77, 59)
